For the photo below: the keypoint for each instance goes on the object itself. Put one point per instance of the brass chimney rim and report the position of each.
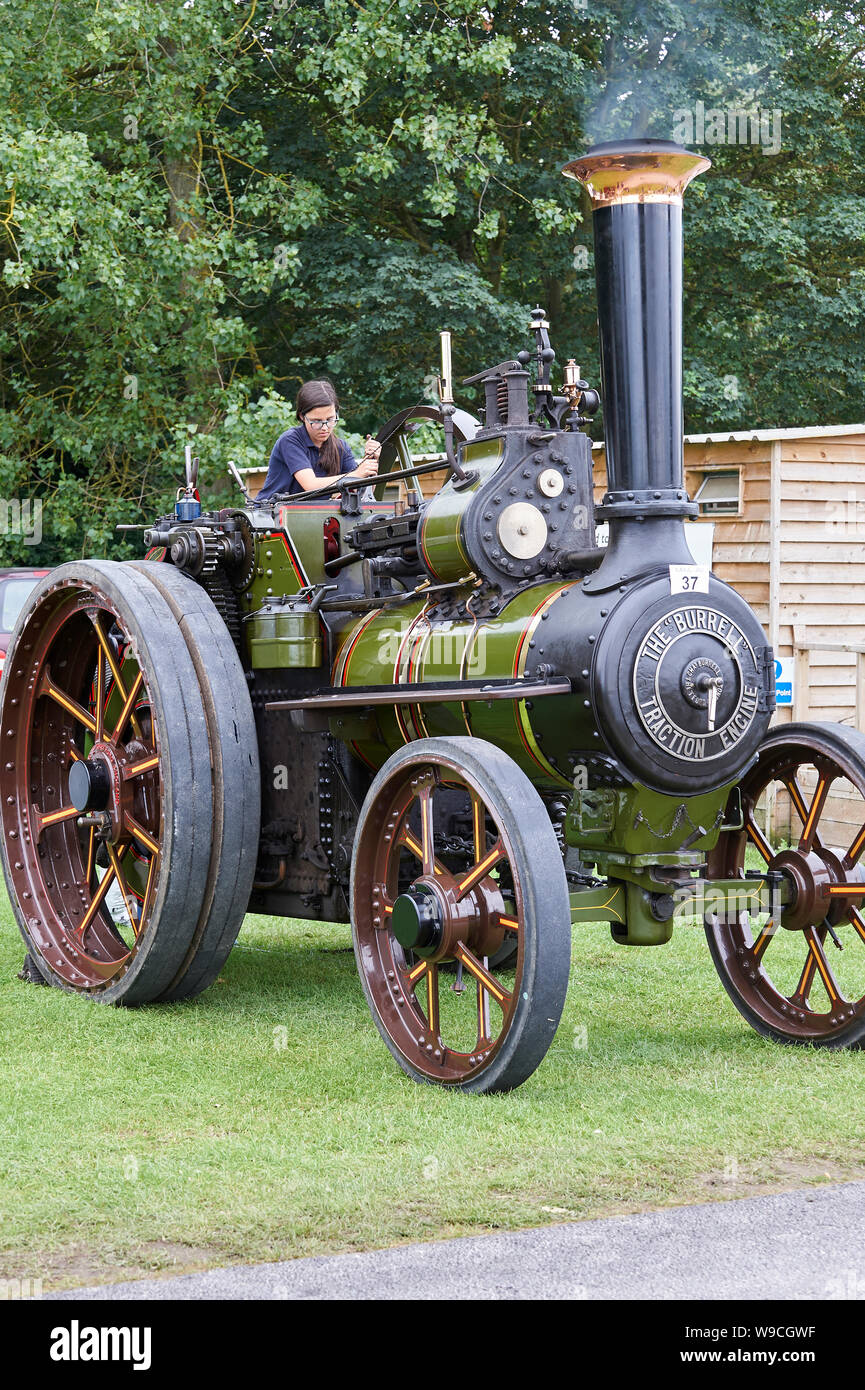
(636, 171)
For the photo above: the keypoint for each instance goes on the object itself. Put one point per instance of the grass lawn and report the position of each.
(266, 1119)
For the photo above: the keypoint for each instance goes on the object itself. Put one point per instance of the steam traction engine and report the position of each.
(457, 721)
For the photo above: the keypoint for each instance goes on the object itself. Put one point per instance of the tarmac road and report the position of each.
(794, 1245)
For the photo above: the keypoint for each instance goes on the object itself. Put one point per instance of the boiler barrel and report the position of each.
(417, 646)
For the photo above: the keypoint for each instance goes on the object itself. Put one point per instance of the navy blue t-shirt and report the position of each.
(294, 451)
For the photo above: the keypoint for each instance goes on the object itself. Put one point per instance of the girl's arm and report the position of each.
(311, 482)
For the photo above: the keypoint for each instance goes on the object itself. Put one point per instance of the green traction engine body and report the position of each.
(578, 662)
(631, 701)
(456, 720)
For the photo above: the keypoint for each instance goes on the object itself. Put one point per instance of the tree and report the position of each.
(128, 255)
(455, 158)
(204, 203)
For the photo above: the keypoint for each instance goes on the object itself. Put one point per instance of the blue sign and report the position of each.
(784, 680)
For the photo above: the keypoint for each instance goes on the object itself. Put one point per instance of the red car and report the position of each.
(15, 585)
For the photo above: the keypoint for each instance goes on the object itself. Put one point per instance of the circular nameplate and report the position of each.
(696, 684)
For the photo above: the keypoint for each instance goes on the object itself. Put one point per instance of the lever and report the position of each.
(446, 396)
(191, 470)
(233, 470)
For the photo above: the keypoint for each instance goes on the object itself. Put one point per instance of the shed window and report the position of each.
(718, 494)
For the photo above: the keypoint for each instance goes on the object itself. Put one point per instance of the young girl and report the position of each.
(302, 456)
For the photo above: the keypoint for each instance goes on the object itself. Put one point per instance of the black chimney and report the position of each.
(636, 188)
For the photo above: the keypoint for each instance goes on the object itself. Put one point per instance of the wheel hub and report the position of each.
(89, 785)
(431, 919)
(417, 919)
(810, 875)
(102, 778)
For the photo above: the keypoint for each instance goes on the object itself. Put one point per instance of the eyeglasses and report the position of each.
(321, 424)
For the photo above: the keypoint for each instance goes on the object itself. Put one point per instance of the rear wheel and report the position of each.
(107, 784)
(237, 798)
(421, 905)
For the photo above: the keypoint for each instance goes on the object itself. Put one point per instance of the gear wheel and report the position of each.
(242, 571)
(196, 552)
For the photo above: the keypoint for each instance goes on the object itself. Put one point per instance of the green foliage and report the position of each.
(202, 205)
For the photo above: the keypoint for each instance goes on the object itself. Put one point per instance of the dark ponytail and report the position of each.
(312, 396)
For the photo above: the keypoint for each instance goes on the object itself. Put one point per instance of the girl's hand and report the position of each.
(372, 448)
(368, 467)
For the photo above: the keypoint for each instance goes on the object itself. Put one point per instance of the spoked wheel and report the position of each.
(800, 978)
(421, 902)
(107, 785)
(395, 438)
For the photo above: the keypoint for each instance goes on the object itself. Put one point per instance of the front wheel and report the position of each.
(799, 977)
(454, 857)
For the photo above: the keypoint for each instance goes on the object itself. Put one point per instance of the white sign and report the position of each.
(784, 680)
(699, 536)
(689, 579)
